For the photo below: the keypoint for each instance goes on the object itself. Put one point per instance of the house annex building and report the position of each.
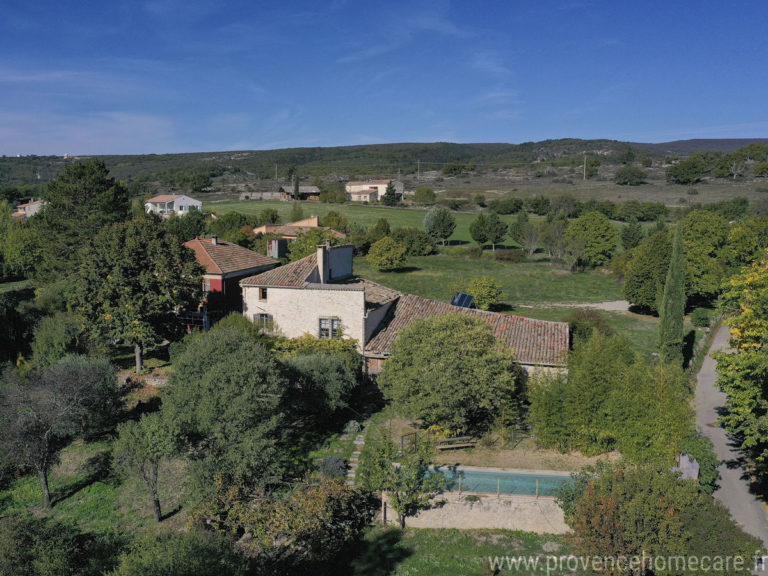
(226, 263)
(320, 296)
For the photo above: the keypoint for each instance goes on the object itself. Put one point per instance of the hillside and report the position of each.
(498, 165)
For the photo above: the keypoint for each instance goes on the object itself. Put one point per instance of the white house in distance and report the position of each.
(166, 205)
(371, 190)
(24, 211)
(320, 296)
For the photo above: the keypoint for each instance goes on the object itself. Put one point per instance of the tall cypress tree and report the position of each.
(672, 307)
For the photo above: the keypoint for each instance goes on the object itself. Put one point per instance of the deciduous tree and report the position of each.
(439, 223)
(72, 396)
(597, 234)
(405, 477)
(142, 446)
(133, 279)
(473, 381)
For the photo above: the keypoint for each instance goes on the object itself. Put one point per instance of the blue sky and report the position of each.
(156, 76)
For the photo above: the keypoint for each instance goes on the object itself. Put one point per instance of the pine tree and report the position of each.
(632, 234)
(390, 198)
(672, 307)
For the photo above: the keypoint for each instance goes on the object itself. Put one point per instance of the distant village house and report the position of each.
(24, 211)
(167, 205)
(371, 190)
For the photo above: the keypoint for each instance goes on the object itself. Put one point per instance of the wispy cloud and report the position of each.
(392, 31)
(491, 63)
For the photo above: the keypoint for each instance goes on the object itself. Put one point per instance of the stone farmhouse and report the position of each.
(371, 190)
(319, 295)
(167, 205)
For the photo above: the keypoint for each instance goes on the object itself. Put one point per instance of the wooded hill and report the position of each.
(355, 161)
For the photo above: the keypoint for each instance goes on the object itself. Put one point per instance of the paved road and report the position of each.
(734, 492)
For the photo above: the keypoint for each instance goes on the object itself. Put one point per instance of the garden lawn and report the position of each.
(521, 283)
(442, 552)
(85, 491)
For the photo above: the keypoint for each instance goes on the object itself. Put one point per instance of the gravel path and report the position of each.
(734, 492)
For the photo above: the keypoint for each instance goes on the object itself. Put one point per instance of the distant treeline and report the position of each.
(194, 170)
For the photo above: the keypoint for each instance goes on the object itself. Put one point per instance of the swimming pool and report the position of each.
(482, 480)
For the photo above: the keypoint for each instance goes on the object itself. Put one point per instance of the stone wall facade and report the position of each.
(297, 311)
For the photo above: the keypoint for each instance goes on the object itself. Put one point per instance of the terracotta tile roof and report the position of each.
(291, 230)
(295, 274)
(375, 294)
(32, 203)
(226, 257)
(164, 198)
(532, 341)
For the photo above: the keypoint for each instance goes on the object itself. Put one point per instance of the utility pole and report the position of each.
(418, 169)
(275, 171)
(585, 167)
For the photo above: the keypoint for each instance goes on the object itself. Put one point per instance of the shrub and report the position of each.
(507, 205)
(583, 322)
(486, 291)
(387, 254)
(417, 242)
(424, 195)
(701, 317)
(629, 176)
(332, 467)
(512, 256)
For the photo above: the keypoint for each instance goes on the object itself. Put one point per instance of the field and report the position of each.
(358, 214)
(522, 283)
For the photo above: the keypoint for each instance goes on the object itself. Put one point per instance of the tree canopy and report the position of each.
(449, 370)
(439, 223)
(81, 202)
(594, 231)
(132, 280)
(225, 397)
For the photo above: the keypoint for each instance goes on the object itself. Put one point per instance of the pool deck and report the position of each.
(541, 515)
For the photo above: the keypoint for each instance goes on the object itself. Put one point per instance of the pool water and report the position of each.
(505, 482)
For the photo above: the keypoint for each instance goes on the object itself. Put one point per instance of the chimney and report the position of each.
(214, 240)
(324, 262)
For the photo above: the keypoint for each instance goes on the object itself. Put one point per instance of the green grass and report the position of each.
(88, 493)
(358, 214)
(422, 552)
(521, 283)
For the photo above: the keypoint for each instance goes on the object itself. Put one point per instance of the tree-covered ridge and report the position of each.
(192, 169)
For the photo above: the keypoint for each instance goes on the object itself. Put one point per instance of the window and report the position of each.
(262, 293)
(263, 321)
(330, 327)
(207, 284)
